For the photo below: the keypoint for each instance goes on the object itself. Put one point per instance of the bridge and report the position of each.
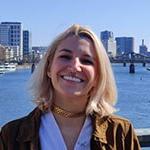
(131, 57)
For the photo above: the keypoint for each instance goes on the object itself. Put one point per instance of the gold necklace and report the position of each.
(58, 110)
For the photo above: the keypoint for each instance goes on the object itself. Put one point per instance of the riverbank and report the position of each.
(24, 66)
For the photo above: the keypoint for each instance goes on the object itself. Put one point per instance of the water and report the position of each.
(133, 95)
(14, 98)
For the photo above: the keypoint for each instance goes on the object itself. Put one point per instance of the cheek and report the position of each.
(57, 67)
(92, 72)
(93, 76)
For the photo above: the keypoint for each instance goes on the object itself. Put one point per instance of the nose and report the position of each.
(76, 65)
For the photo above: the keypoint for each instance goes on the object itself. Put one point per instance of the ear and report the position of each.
(49, 74)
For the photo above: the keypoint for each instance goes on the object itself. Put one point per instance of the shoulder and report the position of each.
(12, 127)
(124, 127)
(112, 119)
(114, 122)
(121, 122)
(115, 129)
(10, 131)
(118, 120)
(12, 124)
(18, 130)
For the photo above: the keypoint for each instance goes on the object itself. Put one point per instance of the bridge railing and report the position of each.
(143, 136)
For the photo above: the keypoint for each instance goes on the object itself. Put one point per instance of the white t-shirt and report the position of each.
(52, 139)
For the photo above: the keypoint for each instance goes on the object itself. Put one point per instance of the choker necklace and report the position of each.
(58, 110)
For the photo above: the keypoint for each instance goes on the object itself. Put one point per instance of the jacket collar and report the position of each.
(29, 126)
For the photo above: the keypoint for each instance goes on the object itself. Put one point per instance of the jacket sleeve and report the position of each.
(131, 140)
(2, 139)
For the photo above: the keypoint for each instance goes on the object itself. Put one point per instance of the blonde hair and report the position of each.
(104, 94)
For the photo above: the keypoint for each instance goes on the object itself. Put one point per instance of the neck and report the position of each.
(64, 113)
(73, 105)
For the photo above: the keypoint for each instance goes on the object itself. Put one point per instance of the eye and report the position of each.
(87, 62)
(67, 57)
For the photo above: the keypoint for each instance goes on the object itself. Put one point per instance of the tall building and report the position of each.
(109, 42)
(143, 48)
(125, 45)
(27, 47)
(11, 35)
(105, 35)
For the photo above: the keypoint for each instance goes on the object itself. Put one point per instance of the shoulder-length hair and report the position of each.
(103, 95)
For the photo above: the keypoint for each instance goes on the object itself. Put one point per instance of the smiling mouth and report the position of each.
(71, 78)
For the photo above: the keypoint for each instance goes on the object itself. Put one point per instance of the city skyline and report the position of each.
(46, 19)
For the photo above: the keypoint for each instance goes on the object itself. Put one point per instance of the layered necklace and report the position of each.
(60, 111)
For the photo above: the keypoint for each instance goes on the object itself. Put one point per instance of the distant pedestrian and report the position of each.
(32, 67)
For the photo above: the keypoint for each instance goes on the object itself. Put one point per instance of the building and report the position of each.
(27, 47)
(105, 36)
(4, 35)
(2, 53)
(12, 53)
(11, 35)
(109, 42)
(143, 48)
(111, 47)
(6, 54)
(41, 49)
(125, 45)
(9, 54)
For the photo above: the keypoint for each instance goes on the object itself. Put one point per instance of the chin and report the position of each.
(74, 94)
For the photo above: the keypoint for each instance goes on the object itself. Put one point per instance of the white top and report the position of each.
(52, 139)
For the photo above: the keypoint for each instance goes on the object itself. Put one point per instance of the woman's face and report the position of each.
(74, 67)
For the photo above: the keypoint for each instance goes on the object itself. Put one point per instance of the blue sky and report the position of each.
(47, 18)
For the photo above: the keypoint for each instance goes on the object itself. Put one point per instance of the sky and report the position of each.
(47, 18)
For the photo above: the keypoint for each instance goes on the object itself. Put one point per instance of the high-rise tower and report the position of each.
(27, 47)
(125, 45)
(143, 48)
(11, 35)
(109, 42)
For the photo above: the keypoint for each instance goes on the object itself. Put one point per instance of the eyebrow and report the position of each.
(65, 50)
(86, 55)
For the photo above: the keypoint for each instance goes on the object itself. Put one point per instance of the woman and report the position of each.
(75, 91)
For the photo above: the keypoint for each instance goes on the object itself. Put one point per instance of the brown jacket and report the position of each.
(109, 133)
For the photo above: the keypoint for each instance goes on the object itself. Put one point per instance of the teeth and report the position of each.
(72, 78)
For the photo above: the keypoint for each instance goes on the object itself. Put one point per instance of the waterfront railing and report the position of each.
(143, 136)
